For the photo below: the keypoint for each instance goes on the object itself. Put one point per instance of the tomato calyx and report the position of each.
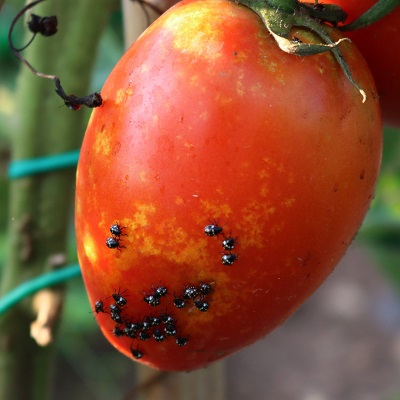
(374, 14)
(279, 20)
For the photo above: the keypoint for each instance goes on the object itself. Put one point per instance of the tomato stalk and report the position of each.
(280, 20)
(284, 5)
(40, 205)
(374, 14)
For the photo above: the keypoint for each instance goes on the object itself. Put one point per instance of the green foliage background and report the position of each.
(79, 341)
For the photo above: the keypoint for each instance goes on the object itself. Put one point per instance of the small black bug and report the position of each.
(99, 307)
(229, 258)
(116, 230)
(205, 288)
(135, 326)
(119, 300)
(158, 335)
(201, 305)
(167, 318)
(114, 308)
(152, 300)
(117, 318)
(212, 229)
(181, 341)
(115, 313)
(114, 243)
(130, 332)
(136, 353)
(144, 335)
(229, 243)
(146, 325)
(118, 332)
(190, 292)
(170, 330)
(160, 291)
(155, 321)
(179, 303)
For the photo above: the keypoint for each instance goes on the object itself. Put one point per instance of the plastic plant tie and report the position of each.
(35, 284)
(22, 168)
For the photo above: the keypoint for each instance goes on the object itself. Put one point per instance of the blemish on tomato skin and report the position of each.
(90, 247)
(362, 173)
(103, 143)
(264, 190)
(179, 201)
(123, 95)
(143, 176)
(116, 148)
(289, 202)
(215, 208)
(262, 174)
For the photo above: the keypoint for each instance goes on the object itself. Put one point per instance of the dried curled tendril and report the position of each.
(47, 26)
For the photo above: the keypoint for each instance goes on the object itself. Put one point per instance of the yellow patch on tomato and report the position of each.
(215, 209)
(189, 34)
(123, 95)
(141, 216)
(150, 247)
(103, 143)
(255, 215)
(90, 248)
(179, 201)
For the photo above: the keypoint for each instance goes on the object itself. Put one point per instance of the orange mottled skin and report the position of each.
(205, 118)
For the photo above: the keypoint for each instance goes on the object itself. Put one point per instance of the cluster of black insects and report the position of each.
(160, 326)
(196, 295)
(154, 326)
(228, 244)
(113, 242)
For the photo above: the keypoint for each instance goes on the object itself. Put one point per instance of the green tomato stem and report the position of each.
(374, 14)
(283, 5)
(279, 23)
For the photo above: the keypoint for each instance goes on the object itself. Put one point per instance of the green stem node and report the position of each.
(279, 23)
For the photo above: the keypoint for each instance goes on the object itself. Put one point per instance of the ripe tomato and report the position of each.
(207, 127)
(380, 46)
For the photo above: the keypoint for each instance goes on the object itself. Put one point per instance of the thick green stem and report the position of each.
(283, 5)
(374, 14)
(41, 204)
(279, 23)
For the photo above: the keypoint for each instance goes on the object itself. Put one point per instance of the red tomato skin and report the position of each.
(205, 118)
(380, 46)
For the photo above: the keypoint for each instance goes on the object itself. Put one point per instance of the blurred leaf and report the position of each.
(381, 229)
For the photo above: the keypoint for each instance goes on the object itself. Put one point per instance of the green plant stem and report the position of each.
(374, 14)
(40, 205)
(284, 5)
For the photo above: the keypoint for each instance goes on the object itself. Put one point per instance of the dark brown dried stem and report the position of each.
(73, 102)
